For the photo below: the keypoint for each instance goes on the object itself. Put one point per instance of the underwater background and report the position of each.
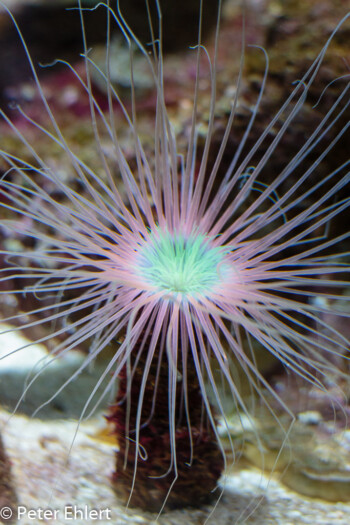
(301, 478)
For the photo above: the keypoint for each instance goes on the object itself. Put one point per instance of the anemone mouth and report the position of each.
(179, 263)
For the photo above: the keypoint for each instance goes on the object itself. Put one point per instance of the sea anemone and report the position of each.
(185, 269)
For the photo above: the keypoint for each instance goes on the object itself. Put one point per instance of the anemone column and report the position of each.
(150, 480)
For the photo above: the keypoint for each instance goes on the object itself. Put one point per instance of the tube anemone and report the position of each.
(183, 268)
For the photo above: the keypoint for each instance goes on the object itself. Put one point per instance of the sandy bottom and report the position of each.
(60, 484)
